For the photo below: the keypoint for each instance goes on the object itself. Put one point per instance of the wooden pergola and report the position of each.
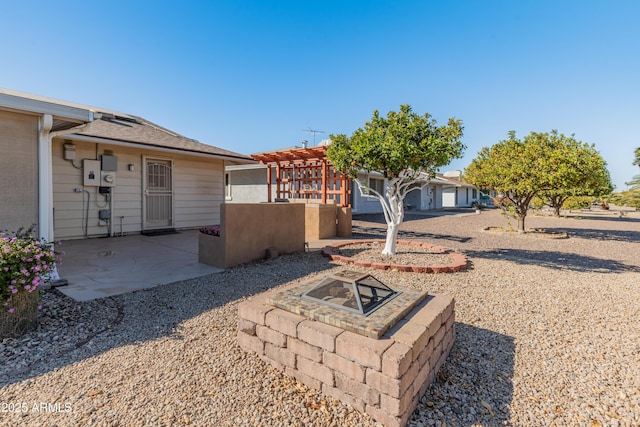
(305, 173)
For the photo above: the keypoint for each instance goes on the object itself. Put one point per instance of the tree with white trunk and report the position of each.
(406, 148)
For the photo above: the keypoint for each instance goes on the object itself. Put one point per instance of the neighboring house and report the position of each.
(102, 172)
(457, 193)
(300, 173)
(427, 198)
(248, 184)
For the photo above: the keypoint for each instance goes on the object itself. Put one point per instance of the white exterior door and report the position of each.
(158, 194)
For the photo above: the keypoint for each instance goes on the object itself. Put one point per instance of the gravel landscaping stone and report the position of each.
(405, 254)
(547, 333)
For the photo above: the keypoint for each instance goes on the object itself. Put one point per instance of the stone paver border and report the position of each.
(459, 261)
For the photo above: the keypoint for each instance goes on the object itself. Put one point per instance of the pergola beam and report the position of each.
(304, 168)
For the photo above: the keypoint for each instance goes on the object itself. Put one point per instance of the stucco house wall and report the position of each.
(18, 174)
(248, 184)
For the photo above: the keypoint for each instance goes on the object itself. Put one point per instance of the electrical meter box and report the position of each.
(91, 173)
(69, 151)
(109, 163)
(107, 179)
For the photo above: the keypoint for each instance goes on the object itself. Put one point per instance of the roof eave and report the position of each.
(58, 111)
(136, 144)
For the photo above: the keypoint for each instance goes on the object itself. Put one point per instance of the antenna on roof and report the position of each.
(314, 132)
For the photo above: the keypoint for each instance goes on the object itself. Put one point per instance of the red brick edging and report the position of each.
(459, 260)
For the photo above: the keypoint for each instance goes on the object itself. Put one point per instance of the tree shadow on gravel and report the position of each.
(364, 227)
(556, 260)
(361, 232)
(145, 315)
(378, 218)
(604, 218)
(475, 385)
(410, 215)
(595, 234)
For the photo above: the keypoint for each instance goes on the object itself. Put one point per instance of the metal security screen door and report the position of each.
(158, 194)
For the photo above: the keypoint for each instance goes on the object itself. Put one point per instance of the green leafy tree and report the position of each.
(548, 165)
(406, 148)
(516, 170)
(635, 181)
(631, 197)
(627, 198)
(579, 170)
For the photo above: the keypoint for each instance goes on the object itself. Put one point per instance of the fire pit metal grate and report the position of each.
(333, 301)
(351, 291)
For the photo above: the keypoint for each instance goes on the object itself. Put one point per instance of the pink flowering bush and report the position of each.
(25, 262)
(211, 231)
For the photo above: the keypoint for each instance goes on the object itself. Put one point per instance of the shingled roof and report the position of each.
(136, 130)
(115, 126)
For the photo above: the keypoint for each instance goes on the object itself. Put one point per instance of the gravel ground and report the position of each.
(548, 333)
(405, 254)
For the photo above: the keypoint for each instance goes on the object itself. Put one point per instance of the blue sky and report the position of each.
(251, 76)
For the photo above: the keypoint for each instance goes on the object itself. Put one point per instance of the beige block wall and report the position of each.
(345, 225)
(255, 227)
(320, 221)
(325, 220)
(18, 170)
(249, 229)
(198, 191)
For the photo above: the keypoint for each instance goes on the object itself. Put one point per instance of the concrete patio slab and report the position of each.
(98, 268)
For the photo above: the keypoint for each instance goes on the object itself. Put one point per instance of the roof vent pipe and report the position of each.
(304, 143)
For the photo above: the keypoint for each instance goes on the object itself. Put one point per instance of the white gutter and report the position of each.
(45, 174)
(45, 179)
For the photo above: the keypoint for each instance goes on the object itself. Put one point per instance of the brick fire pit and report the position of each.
(383, 377)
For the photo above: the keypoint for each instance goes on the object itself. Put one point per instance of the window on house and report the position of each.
(474, 193)
(227, 185)
(377, 184)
